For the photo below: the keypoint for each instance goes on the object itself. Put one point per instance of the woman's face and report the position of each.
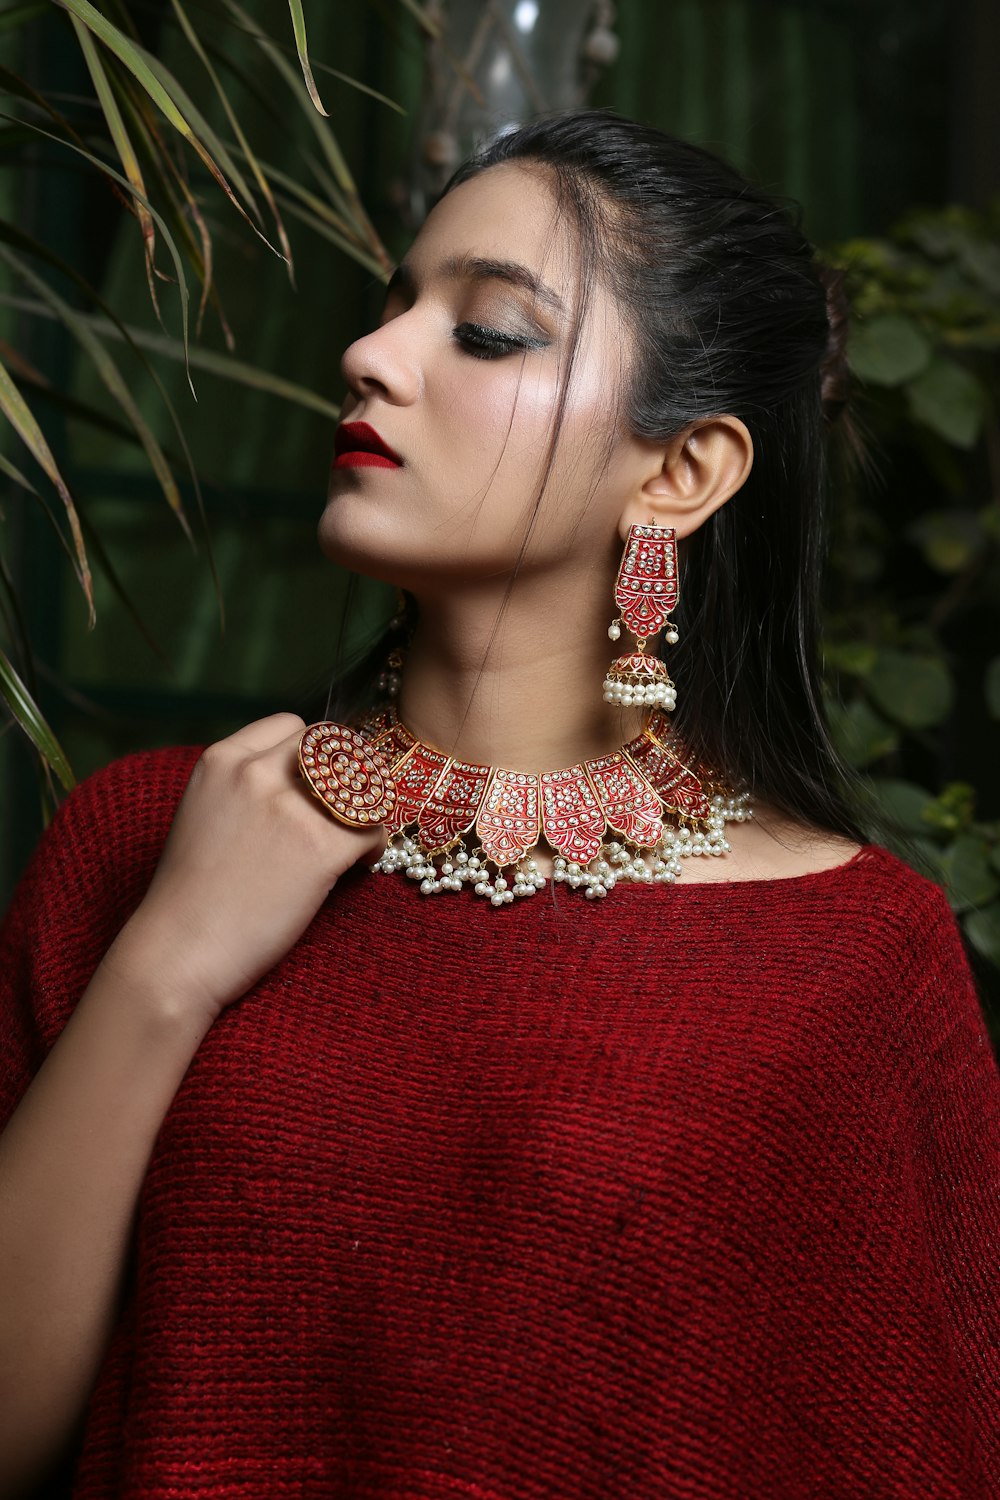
(461, 379)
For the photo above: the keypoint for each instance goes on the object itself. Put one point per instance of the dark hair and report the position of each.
(731, 314)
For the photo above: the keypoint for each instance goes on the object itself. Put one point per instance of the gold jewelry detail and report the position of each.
(633, 814)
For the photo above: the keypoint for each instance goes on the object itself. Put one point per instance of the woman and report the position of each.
(330, 1185)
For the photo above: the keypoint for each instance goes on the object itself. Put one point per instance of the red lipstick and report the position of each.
(357, 445)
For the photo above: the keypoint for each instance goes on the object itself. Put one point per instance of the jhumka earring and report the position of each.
(646, 590)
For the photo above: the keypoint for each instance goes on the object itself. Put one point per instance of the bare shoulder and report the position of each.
(771, 846)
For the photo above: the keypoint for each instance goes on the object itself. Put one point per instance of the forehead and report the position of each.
(505, 214)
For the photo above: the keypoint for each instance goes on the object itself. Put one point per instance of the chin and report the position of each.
(356, 547)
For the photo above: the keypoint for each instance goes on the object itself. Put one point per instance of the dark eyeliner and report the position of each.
(490, 343)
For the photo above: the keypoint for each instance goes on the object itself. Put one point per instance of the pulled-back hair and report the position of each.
(730, 313)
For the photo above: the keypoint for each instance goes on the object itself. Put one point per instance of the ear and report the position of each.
(697, 473)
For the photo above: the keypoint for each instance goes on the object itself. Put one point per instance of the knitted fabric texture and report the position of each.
(692, 1192)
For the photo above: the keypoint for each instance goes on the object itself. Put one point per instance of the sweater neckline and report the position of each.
(864, 854)
(868, 853)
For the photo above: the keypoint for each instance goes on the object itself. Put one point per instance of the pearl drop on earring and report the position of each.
(614, 630)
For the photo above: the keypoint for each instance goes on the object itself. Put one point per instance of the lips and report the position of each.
(358, 444)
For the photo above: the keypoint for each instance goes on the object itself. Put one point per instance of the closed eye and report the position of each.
(490, 343)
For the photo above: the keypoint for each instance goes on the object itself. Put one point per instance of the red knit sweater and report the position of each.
(690, 1192)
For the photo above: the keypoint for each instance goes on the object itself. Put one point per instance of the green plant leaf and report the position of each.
(96, 549)
(325, 138)
(161, 87)
(237, 129)
(992, 687)
(321, 224)
(299, 30)
(256, 33)
(226, 367)
(319, 206)
(23, 482)
(915, 691)
(888, 350)
(109, 373)
(19, 415)
(949, 400)
(14, 236)
(124, 147)
(859, 733)
(902, 802)
(215, 363)
(14, 473)
(127, 53)
(182, 286)
(180, 206)
(29, 716)
(982, 928)
(207, 136)
(968, 875)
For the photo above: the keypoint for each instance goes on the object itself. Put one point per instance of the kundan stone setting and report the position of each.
(348, 775)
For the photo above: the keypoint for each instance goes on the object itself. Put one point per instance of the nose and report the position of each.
(384, 363)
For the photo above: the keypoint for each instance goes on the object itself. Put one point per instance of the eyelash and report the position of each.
(489, 343)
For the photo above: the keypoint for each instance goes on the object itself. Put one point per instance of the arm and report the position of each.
(72, 1160)
(249, 859)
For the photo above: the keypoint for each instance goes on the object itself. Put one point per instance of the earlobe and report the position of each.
(701, 469)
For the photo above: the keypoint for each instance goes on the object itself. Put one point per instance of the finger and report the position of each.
(265, 734)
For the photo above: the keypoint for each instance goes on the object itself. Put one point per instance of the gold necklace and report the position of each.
(471, 817)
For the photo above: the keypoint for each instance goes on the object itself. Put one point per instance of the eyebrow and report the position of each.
(468, 267)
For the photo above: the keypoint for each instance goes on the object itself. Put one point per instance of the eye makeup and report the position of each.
(490, 343)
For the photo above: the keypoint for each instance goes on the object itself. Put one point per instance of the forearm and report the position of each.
(72, 1161)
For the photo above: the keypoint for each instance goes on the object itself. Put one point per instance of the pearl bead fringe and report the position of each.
(663, 693)
(614, 861)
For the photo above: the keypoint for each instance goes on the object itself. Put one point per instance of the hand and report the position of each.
(250, 858)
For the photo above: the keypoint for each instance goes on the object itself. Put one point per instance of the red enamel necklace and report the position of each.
(630, 815)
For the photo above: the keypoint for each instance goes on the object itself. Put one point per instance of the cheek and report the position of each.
(503, 412)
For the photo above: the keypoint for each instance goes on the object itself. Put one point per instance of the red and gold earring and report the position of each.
(646, 591)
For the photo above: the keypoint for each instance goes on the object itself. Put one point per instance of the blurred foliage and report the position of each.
(913, 632)
(144, 146)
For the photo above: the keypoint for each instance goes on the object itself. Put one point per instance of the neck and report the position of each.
(537, 705)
